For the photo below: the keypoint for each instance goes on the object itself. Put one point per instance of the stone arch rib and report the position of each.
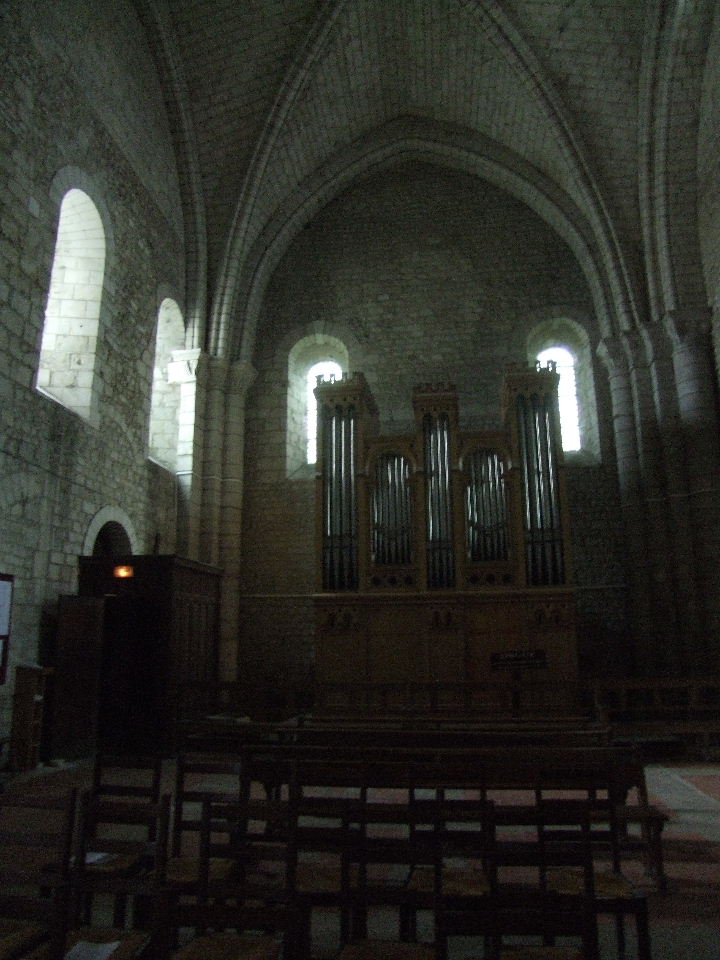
(155, 18)
(227, 305)
(224, 305)
(435, 144)
(668, 176)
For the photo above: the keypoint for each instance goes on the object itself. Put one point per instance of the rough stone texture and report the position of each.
(709, 171)
(365, 170)
(449, 274)
(59, 470)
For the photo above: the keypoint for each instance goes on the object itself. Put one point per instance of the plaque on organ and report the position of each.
(470, 523)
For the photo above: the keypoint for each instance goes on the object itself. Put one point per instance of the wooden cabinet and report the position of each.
(454, 639)
(124, 644)
(27, 719)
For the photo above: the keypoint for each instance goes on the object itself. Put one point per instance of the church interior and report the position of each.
(361, 378)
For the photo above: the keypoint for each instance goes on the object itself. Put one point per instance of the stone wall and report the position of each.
(709, 180)
(425, 275)
(78, 108)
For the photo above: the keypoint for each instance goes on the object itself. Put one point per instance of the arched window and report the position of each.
(328, 370)
(567, 394)
(310, 357)
(565, 342)
(66, 370)
(165, 403)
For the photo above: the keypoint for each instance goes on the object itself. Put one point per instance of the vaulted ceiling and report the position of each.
(279, 97)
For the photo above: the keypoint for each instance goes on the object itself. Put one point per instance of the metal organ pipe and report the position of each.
(440, 559)
(486, 510)
(340, 505)
(543, 534)
(391, 511)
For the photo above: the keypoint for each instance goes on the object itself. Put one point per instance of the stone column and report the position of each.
(213, 475)
(210, 476)
(240, 377)
(673, 499)
(699, 447)
(641, 643)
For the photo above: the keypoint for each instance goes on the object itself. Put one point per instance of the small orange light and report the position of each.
(123, 572)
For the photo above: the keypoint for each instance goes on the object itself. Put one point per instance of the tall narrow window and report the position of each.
(327, 369)
(313, 355)
(67, 355)
(567, 395)
(165, 404)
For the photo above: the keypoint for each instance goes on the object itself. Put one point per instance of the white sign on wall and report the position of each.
(6, 587)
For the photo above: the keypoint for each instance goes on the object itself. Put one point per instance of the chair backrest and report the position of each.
(36, 834)
(127, 777)
(197, 778)
(245, 830)
(113, 830)
(550, 839)
(257, 833)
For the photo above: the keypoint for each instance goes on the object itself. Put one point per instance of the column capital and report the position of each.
(612, 352)
(183, 365)
(688, 324)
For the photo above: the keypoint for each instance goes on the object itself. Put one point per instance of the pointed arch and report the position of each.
(673, 58)
(445, 146)
(583, 191)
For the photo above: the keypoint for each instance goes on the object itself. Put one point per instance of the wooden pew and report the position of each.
(598, 772)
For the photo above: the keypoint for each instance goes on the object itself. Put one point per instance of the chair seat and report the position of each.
(17, 936)
(456, 881)
(229, 946)
(130, 945)
(608, 885)
(182, 871)
(114, 863)
(387, 950)
(322, 877)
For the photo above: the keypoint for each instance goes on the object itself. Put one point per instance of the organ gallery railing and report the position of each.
(441, 509)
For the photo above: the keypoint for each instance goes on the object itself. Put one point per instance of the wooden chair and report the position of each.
(138, 777)
(467, 844)
(197, 779)
(647, 820)
(121, 852)
(325, 834)
(393, 838)
(34, 832)
(614, 893)
(523, 906)
(246, 915)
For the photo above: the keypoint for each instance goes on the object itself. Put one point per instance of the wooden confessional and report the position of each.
(443, 555)
(139, 626)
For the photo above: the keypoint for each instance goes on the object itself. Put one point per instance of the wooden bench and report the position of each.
(597, 772)
(660, 712)
(224, 733)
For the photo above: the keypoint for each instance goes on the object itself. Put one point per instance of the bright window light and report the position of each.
(567, 395)
(325, 368)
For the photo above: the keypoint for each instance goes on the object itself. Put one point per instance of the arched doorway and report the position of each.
(112, 541)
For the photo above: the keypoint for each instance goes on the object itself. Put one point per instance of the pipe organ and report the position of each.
(444, 554)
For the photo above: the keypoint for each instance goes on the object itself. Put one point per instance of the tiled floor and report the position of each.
(685, 922)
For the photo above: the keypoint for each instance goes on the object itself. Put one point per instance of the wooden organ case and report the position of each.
(444, 555)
